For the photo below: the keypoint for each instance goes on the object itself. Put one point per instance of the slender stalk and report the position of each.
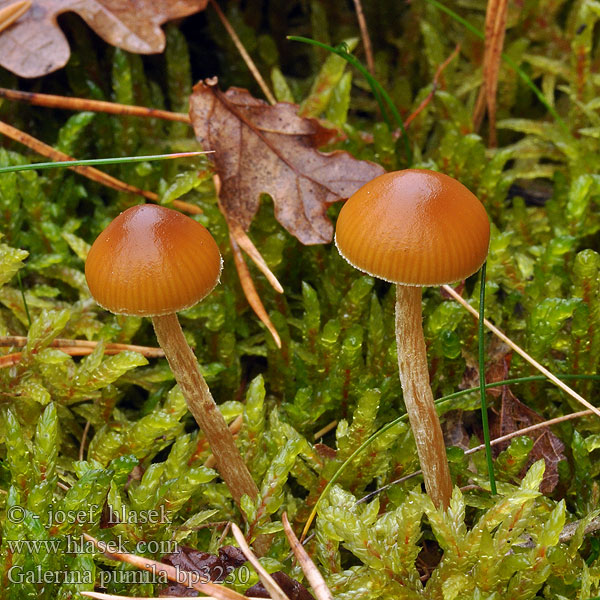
(200, 402)
(484, 414)
(418, 397)
(440, 402)
(378, 91)
(67, 164)
(87, 104)
(244, 53)
(364, 34)
(9, 14)
(555, 380)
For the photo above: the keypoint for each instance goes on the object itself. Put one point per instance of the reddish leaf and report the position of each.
(515, 415)
(210, 567)
(215, 569)
(292, 588)
(35, 45)
(263, 149)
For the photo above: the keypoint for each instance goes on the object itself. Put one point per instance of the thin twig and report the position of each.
(84, 439)
(194, 580)
(102, 596)
(244, 54)
(148, 351)
(364, 34)
(309, 568)
(495, 29)
(494, 442)
(9, 14)
(563, 386)
(89, 172)
(9, 360)
(325, 430)
(570, 529)
(434, 87)
(85, 104)
(250, 290)
(246, 244)
(270, 584)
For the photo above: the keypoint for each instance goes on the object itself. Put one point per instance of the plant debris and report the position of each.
(35, 45)
(263, 149)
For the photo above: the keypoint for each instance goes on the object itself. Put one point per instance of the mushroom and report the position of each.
(416, 228)
(152, 261)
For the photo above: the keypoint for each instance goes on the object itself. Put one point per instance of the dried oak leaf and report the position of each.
(209, 567)
(264, 149)
(515, 415)
(35, 45)
(293, 589)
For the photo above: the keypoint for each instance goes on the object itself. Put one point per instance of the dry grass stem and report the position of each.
(495, 29)
(309, 568)
(270, 584)
(101, 596)
(84, 439)
(250, 290)
(89, 172)
(147, 351)
(80, 104)
(9, 14)
(526, 430)
(434, 87)
(183, 577)
(243, 53)
(563, 386)
(9, 360)
(247, 245)
(325, 430)
(494, 442)
(364, 34)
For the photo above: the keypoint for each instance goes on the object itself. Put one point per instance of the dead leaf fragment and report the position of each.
(293, 589)
(35, 45)
(208, 566)
(263, 149)
(515, 415)
(495, 29)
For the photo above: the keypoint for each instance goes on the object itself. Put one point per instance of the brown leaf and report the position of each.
(263, 149)
(293, 589)
(515, 415)
(210, 567)
(455, 429)
(35, 45)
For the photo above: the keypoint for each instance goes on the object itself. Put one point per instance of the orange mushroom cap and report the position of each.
(152, 261)
(414, 227)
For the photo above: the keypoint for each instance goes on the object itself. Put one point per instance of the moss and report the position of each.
(80, 434)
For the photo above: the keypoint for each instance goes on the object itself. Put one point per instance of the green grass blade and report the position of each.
(439, 402)
(484, 414)
(98, 161)
(378, 91)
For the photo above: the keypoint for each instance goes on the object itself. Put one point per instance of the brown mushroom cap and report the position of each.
(152, 261)
(414, 227)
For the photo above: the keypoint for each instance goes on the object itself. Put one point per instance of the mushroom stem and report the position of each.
(418, 398)
(200, 402)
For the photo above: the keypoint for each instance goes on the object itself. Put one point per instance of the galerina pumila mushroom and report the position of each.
(152, 261)
(416, 228)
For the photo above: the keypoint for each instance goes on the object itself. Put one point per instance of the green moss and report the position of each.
(82, 434)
